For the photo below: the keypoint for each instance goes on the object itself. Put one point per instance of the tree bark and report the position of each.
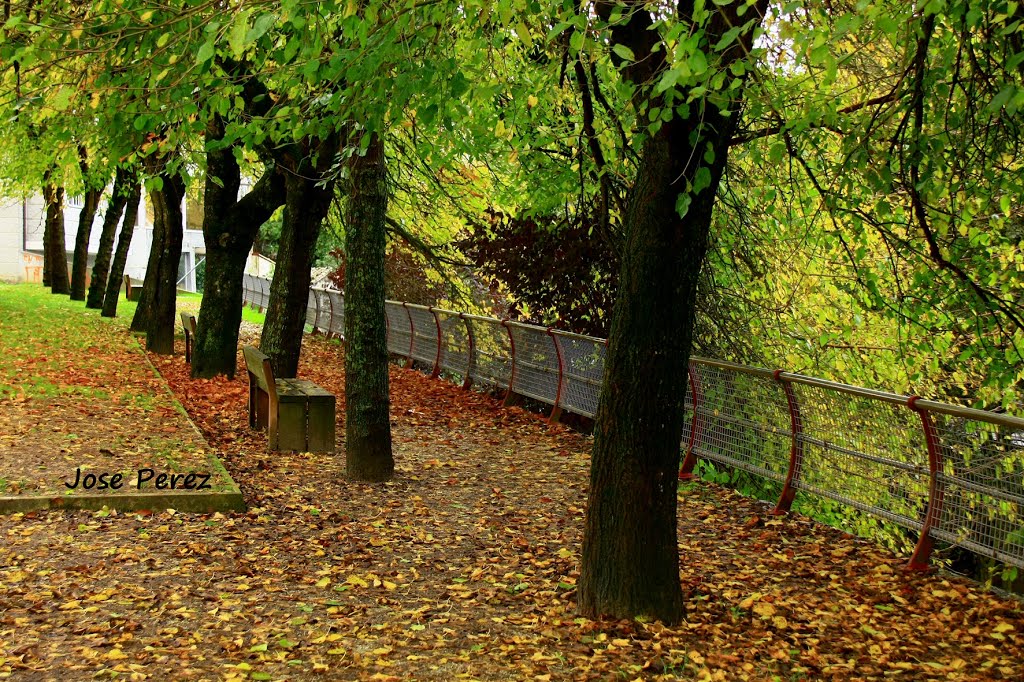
(630, 560)
(305, 207)
(124, 242)
(368, 455)
(55, 258)
(118, 197)
(230, 226)
(155, 313)
(90, 203)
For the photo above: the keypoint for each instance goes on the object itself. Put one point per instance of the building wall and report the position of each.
(21, 240)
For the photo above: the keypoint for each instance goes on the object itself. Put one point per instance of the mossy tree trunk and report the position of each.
(155, 313)
(368, 455)
(230, 226)
(630, 560)
(308, 195)
(124, 242)
(119, 194)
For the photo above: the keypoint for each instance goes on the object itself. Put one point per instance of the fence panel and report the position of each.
(337, 324)
(323, 310)
(866, 451)
(425, 343)
(247, 290)
(492, 351)
(742, 419)
(582, 372)
(311, 305)
(263, 295)
(456, 343)
(536, 372)
(399, 328)
(982, 486)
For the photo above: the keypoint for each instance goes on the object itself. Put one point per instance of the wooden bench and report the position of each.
(188, 325)
(132, 290)
(298, 414)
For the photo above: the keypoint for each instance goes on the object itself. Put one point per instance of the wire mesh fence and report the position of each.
(945, 472)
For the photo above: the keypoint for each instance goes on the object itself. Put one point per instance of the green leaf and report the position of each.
(623, 52)
(205, 52)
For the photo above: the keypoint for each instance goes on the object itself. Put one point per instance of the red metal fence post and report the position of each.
(796, 448)
(471, 361)
(919, 561)
(510, 395)
(696, 424)
(437, 357)
(556, 410)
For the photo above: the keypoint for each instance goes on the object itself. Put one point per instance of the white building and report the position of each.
(21, 239)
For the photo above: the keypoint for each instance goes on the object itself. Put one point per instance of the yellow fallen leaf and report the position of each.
(780, 622)
(389, 585)
(620, 642)
(323, 582)
(115, 655)
(67, 606)
(1003, 627)
(763, 608)
(749, 601)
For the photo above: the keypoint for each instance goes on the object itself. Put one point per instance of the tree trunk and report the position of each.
(144, 308)
(56, 271)
(305, 207)
(155, 313)
(118, 197)
(368, 455)
(90, 202)
(80, 261)
(630, 561)
(230, 226)
(124, 242)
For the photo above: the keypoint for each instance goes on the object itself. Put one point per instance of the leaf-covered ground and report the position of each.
(79, 394)
(464, 567)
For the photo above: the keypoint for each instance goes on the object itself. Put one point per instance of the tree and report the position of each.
(368, 455)
(101, 266)
(55, 259)
(124, 241)
(93, 191)
(230, 226)
(630, 562)
(155, 312)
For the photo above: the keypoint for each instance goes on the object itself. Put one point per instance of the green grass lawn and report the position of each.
(77, 393)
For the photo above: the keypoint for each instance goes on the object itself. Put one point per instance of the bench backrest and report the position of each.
(258, 365)
(188, 323)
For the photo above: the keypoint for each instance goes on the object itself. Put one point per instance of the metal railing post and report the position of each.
(330, 319)
(556, 410)
(471, 361)
(919, 560)
(412, 333)
(437, 356)
(510, 394)
(690, 460)
(796, 448)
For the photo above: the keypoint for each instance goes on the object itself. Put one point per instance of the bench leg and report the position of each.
(291, 426)
(321, 425)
